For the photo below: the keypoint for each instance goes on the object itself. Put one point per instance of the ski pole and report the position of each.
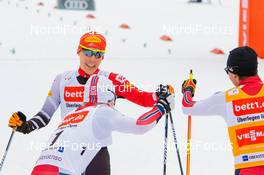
(165, 145)
(7, 148)
(188, 146)
(188, 162)
(176, 143)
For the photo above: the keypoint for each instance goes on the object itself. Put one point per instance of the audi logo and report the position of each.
(76, 4)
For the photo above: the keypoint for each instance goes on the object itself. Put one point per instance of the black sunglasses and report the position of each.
(230, 69)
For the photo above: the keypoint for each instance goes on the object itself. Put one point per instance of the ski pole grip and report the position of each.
(191, 75)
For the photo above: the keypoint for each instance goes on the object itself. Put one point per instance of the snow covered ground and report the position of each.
(37, 43)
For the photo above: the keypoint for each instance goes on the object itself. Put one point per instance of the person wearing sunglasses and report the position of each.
(242, 108)
(80, 136)
(67, 90)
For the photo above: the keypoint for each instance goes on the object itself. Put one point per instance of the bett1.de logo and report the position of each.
(248, 106)
(74, 94)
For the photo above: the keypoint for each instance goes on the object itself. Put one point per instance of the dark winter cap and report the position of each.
(242, 61)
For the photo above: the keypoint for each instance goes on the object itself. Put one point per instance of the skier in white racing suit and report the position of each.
(86, 130)
(67, 91)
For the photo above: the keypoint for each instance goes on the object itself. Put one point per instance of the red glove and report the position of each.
(189, 85)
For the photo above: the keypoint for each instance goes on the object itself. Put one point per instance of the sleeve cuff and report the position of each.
(160, 108)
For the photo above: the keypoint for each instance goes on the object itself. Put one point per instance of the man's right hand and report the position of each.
(164, 90)
(18, 121)
(166, 97)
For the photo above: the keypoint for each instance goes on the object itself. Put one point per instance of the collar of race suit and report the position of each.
(83, 74)
(251, 85)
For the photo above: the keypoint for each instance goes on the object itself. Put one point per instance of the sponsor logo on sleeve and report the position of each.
(248, 106)
(74, 94)
(120, 79)
(128, 85)
(49, 93)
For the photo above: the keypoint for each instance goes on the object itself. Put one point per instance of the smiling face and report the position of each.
(89, 64)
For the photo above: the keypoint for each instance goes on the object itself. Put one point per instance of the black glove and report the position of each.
(189, 85)
(164, 90)
(166, 97)
(167, 103)
(18, 121)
